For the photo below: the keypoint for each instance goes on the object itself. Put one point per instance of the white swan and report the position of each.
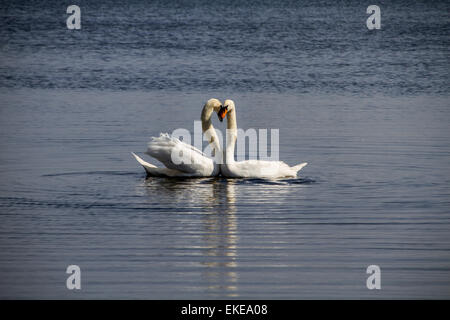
(249, 168)
(200, 165)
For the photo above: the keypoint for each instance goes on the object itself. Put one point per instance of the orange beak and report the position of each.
(222, 113)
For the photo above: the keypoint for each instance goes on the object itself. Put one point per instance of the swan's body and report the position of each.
(250, 168)
(164, 147)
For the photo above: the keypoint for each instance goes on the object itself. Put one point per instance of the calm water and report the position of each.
(369, 111)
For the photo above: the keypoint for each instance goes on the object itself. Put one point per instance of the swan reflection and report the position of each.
(209, 202)
(221, 240)
(199, 217)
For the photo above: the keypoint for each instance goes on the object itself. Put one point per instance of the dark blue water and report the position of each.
(368, 110)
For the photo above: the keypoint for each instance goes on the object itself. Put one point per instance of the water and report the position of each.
(369, 111)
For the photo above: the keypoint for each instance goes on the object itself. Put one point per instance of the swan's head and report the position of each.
(214, 104)
(228, 106)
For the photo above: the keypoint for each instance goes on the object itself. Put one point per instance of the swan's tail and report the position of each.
(154, 171)
(149, 168)
(299, 167)
(142, 162)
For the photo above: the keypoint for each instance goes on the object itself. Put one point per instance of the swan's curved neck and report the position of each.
(231, 136)
(208, 128)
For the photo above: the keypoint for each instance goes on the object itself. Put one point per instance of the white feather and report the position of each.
(251, 168)
(193, 161)
(182, 159)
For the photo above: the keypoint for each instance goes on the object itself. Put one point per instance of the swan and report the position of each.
(200, 165)
(249, 168)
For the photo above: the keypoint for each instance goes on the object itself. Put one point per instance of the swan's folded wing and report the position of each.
(263, 169)
(178, 155)
(154, 171)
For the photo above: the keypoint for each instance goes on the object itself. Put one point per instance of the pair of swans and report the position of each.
(200, 165)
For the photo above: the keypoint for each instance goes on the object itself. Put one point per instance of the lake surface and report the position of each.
(368, 110)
